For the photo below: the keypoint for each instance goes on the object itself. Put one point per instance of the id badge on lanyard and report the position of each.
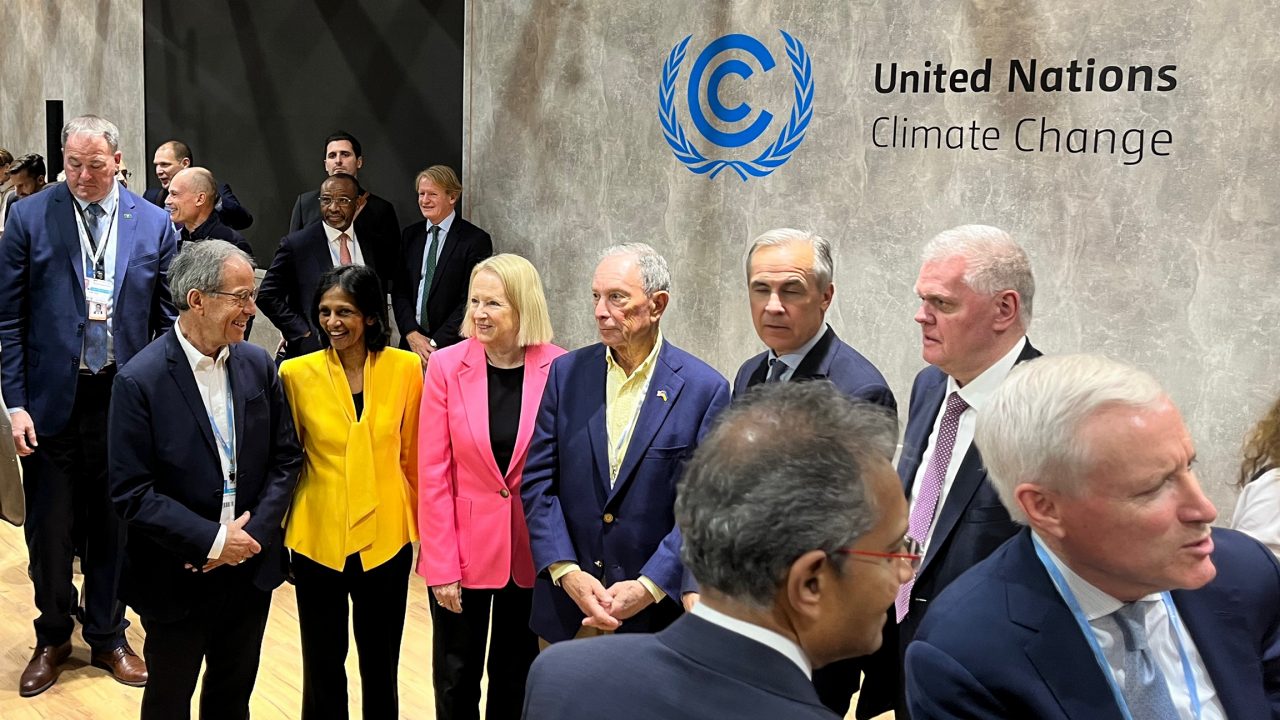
(97, 290)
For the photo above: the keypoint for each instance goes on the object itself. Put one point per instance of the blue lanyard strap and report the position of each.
(1087, 630)
(228, 446)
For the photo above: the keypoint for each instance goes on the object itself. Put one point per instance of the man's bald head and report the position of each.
(193, 193)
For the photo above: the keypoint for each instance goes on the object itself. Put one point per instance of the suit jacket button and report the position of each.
(608, 518)
(505, 493)
(599, 564)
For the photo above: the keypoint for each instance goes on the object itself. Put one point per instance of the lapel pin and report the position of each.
(128, 216)
(662, 394)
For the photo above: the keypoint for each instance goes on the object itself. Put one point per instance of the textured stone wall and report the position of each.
(1169, 261)
(87, 54)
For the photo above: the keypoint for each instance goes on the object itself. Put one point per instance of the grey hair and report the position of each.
(200, 266)
(92, 125)
(655, 276)
(783, 472)
(1029, 430)
(994, 262)
(823, 267)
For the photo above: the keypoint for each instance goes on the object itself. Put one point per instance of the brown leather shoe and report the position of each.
(125, 666)
(43, 669)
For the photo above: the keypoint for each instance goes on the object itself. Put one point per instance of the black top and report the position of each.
(358, 399)
(505, 388)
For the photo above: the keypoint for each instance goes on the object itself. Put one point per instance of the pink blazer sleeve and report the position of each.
(438, 559)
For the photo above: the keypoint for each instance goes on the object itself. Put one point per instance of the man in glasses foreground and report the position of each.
(1116, 599)
(793, 522)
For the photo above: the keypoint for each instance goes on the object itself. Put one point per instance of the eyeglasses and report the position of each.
(242, 298)
(339, 201)
(912, 552)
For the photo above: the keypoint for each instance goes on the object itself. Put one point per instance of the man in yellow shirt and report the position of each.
(617, 423)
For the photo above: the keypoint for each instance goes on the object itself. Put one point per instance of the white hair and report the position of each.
(994, 262)
(823, 267)
(1029, 430)
(92, 125)
(655, 276)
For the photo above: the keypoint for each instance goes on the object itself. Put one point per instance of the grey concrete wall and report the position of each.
(87, 54)
(1169, 262)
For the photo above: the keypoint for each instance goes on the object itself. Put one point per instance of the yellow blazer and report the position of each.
(358, 489)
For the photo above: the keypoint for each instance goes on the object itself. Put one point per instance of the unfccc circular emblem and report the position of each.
(706, 76)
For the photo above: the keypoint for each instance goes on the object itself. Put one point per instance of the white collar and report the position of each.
(980, 388)
(793, 359)
(445, 224)
(333, 233)
(197, 359)
(108, 203)
(774, 641)
(1094, 603)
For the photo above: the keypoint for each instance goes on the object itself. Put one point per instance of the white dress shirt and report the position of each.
(974, 394)
(793, 360)
(445, 224)
(211, 380)
(111, 224)
(1161, 639)
(1258, 510)
(764, 636)
(335, 247)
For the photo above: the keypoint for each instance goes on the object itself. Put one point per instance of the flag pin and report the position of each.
(662, 394)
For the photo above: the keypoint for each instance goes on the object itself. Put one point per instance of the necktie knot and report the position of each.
(955, 406)
(433, 232)
(777, 369)
(95, 210)
(1131, 618)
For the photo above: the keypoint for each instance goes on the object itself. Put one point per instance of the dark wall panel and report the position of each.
(255, 87)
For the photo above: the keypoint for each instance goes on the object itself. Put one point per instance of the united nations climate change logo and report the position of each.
(777, 152)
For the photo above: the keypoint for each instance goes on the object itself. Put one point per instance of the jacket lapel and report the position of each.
(235, 376)
(968, 479)
(591, 395)
(417, 251)
(473, 378)
(817, 363)
(126, 223)
(664, 389)
(536, 365)
(61, 214)
(180, 370)
(919, 427)
(1222, 637)
(451, 240)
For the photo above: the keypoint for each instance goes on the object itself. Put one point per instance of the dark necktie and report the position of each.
(95, 331)
(428, 272)
(777, 369)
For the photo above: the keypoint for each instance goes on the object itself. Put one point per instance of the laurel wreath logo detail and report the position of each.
(771, 157)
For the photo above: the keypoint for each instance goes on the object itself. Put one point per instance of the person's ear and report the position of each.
(805, 582)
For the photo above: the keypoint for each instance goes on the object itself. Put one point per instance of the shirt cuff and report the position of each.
(13, 410)
(560, 569)
(215, 552)
(653, 589)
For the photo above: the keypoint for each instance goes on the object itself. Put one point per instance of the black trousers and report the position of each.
(378, 600)
(68, 504)
(224, 630)
(458, 653)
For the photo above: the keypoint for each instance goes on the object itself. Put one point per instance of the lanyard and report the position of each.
(1065, 591)
(93, 251)
(228, 446)
(615, 463)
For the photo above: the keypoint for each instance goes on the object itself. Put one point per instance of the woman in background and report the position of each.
(478, 407)
(1258, 509)
(355, 406)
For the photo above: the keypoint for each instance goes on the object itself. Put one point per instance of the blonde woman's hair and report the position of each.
(523, 286)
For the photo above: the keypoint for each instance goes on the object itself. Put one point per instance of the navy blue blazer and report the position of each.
(376, 226)
(830, 359)
(573, 515)
(464, 247)
(693, 669)
(1001, 643)
(166, 479)
(42, 303)
(232, 213)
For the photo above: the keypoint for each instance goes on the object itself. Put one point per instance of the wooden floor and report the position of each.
(86, 693)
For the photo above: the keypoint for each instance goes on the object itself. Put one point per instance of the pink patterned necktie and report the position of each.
(344, 249)
(921, 520)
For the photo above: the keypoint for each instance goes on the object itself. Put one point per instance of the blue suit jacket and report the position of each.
(693, 669)
(572, 513)
(830, 359)
(166, 479)
(42, 303)
(1001, 643)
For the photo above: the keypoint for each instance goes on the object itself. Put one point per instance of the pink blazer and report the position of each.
(470, 517)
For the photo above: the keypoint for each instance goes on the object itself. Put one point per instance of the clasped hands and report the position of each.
(238, 546)
(605, 608)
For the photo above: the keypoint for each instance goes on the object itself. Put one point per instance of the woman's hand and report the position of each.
(449, 596)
